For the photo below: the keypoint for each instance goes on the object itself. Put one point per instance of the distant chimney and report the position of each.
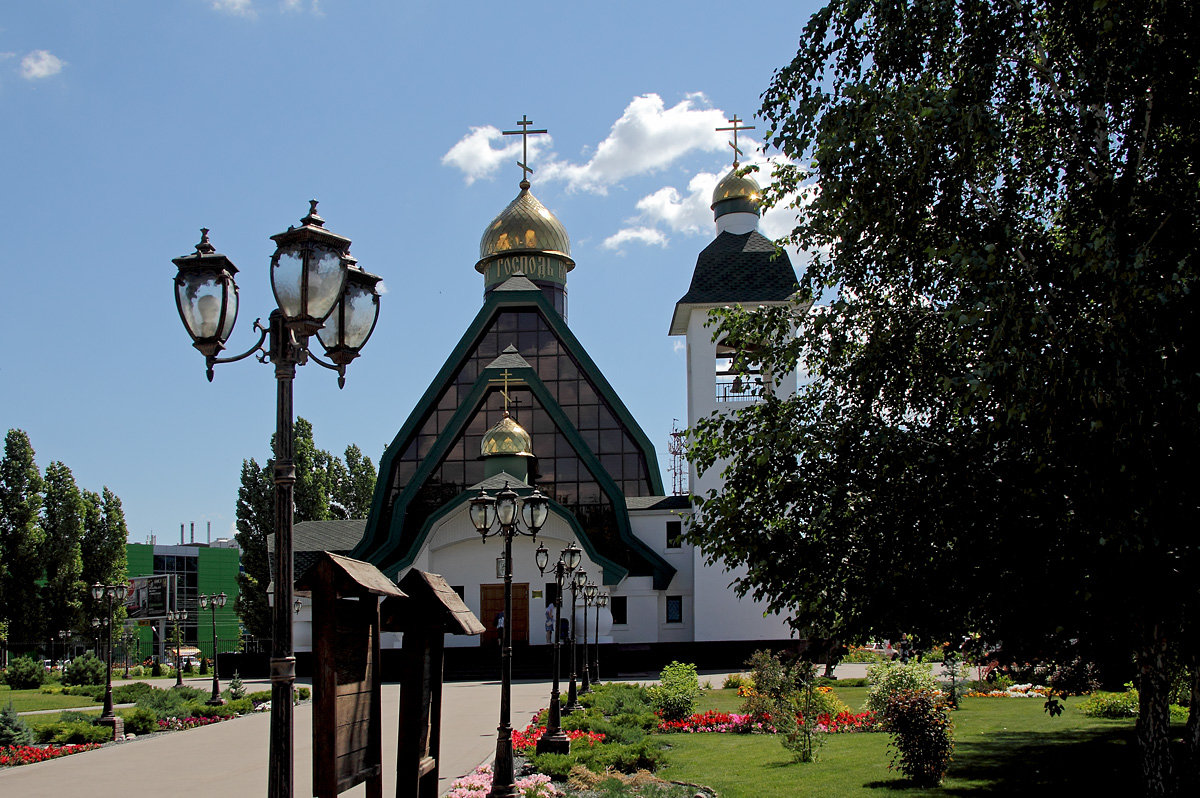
(210, 533)
(181, 534)
(192, 533)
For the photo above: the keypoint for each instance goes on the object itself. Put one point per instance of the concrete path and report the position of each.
(229, 759)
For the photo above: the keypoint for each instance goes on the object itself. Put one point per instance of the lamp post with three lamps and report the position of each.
(589, 595)
(577, 584)
(600, 601)
(485, 511)
(178, 617)
(321, 291)
(108, 594)
(211, 603)
(555, 740)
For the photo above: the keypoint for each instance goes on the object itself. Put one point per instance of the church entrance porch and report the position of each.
(491, 604)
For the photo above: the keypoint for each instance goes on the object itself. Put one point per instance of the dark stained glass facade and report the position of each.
(561, 472)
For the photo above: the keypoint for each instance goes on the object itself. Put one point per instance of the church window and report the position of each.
(674, 609)
(674, 534)
(620, 610)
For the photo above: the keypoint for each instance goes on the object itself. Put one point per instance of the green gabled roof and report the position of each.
(385, 547)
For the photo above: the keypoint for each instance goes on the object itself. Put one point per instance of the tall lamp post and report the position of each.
(577, 584)
(589, 595)
(127, 638)
(555, 740)
(600, 601)
(211, 603)
(107, 594)
(320, 290)
(486, 511)
(178, 617)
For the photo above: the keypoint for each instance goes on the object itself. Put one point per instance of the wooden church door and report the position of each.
(491, 604)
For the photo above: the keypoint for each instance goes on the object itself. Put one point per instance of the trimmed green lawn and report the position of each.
(1003, 746)
(30, 700)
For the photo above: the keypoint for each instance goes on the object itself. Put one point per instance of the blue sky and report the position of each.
(126, 126)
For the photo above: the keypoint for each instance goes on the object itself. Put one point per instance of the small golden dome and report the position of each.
(525, 224)
(506, 437)
(737, 186)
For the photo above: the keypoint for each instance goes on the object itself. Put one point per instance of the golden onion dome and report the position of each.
(736, 192)
(506, 438)
(525, 224)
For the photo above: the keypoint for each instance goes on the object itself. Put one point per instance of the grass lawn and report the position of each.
(30, 700)
(1003, 746)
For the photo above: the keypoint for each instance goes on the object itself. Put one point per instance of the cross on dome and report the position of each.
(525, 133)
(737, 125)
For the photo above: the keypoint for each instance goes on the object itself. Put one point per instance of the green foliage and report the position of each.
(87, 669)
(556, 766)
(63, 511)
(892, 678)
(615, 698)
(674, 698)
(204, 666)
(302, 693)
(156, 669)
(21, 538)
(130, 693)
(177, 702)
(255, 523)
(13, 730)
(922, 741)
(775, 685)
(1111, 705)
(74, 731)
(92, 691)
(25, 673)
(237, 690)
(857, 654)
(735, 680)
(141, 721)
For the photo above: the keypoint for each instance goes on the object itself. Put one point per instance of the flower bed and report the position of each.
(13, 755)
(478, 783)
(734, 723)
(177, 724)
(526, 740)
(1016, 691)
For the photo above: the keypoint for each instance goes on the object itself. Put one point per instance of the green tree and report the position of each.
(21, 538)
(311, 494)
(1000, 206)
(356, 492)
(63, 513)
(103, 549)
(255, 522)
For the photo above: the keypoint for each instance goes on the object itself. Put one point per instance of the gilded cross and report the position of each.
(737, 125)
(504, 392)
(525, 133)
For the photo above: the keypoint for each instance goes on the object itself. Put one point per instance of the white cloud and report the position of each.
(641, 235)
(476, 158)
(41, 64)
(680, 345)
(294, 6)
(682, 213)
(238, 8)
(647, 138)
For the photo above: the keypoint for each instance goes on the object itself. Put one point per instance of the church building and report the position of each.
(520, 404)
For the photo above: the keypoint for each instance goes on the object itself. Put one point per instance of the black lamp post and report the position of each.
(589, 596)
(108, 594)
(127, 637)
(211, 603)
(577, 584)
(484, 512)
(555, 740)
(600, 601)
(178, 617)
(320, 290)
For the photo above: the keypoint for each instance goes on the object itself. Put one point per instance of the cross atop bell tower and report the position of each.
(525, 133)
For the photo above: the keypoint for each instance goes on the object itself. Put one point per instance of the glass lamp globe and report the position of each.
(206, 296)
(308, 272)
(353, 318)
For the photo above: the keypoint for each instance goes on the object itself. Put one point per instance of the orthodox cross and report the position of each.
(504, 392)
(737, 125)
(525, 133)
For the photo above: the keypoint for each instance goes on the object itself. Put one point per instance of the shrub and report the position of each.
(166, 703)
(87, 669)
(619, 699)
(236, 688)
(1111, 705)
(921, 745)
(141, 721)
(92, 691)
(302, 693)
(131, 693)
(74, 731)
(136, 672)
(773, 685)
(622, 757)
(557, 766)
(203, 666)
(156, 669)
(889, 678)
(13, 730)
(862, 654)
(675, 698)
(259, 696)
(25, 673)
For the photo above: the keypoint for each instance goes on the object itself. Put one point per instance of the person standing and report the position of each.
(550, 623)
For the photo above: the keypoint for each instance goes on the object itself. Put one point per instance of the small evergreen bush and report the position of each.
(141, 721)
(890, 678)
(87, 669)
(25, 673)
(156, 669)
(203, 666)
(131, 693)
(74, 731)
(675, 697)
(13, 730)
(556, 766)
(236, 688)
(921, 745)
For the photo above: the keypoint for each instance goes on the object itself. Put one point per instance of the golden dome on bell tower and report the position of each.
(506, 437)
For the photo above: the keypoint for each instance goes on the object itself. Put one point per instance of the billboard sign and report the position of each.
(147, 597)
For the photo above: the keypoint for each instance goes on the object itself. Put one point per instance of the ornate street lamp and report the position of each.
(127, 637)
(601, 601)
(484, 512)
(211, 603)
(577, 584)
(320, 290)
(555, 739)
(589, 596)
(108, 594)
(178, 617)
